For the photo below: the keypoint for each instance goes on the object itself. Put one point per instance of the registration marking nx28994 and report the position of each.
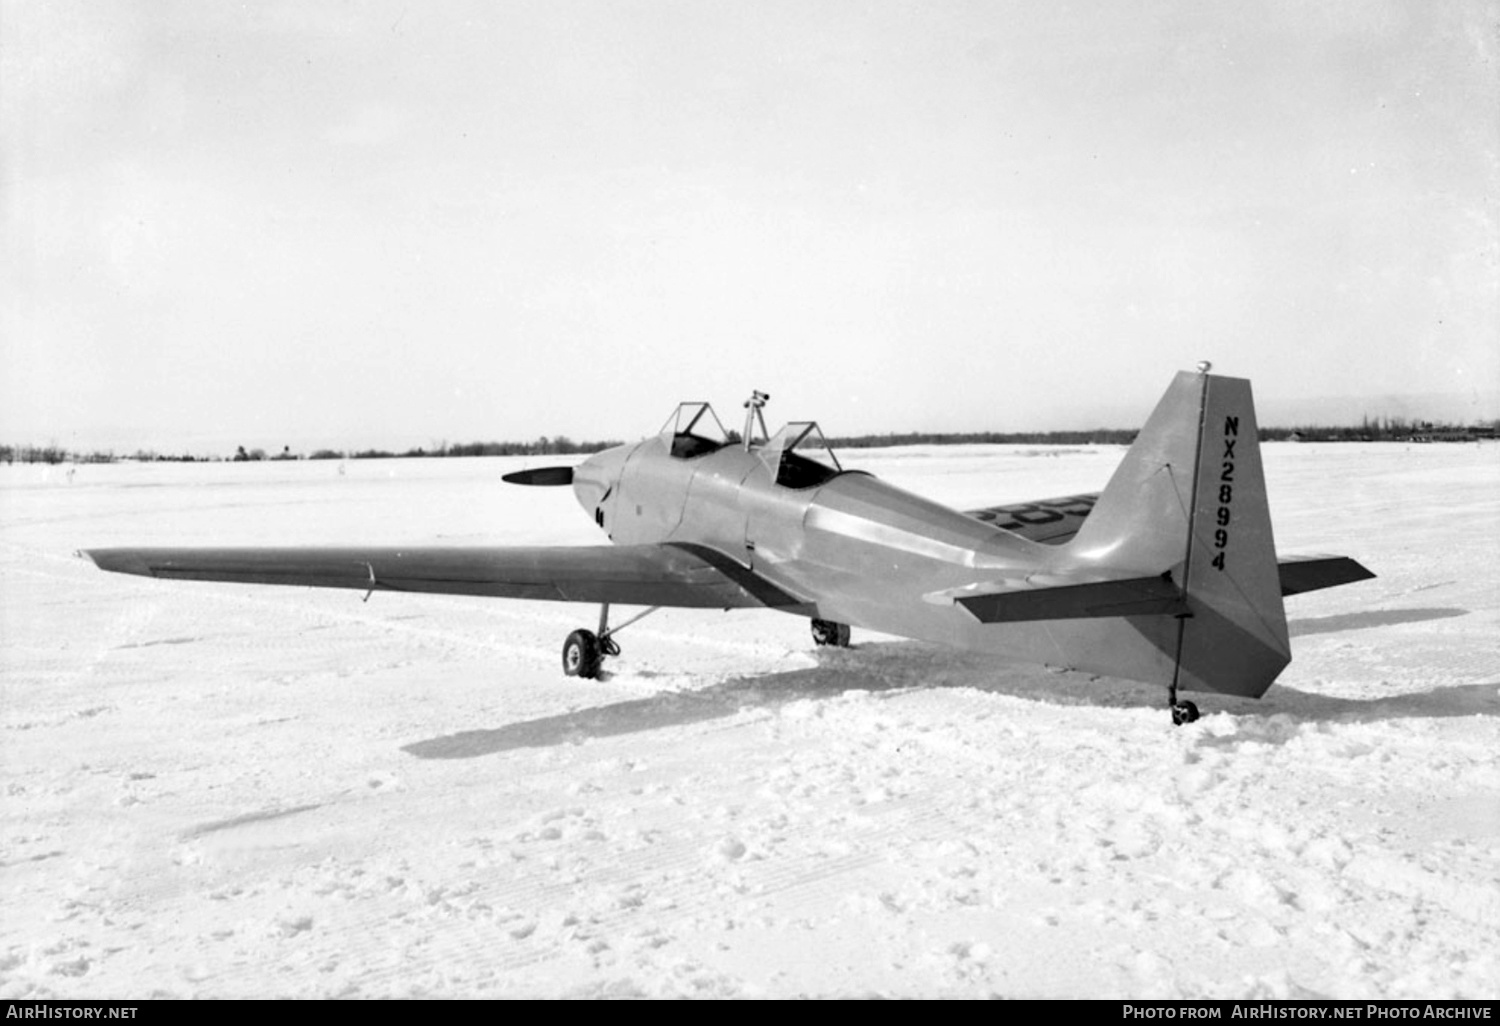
(1226, 491)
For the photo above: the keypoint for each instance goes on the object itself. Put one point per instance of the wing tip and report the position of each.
(119, 561)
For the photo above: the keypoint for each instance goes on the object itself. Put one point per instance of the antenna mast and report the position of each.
(753, 407)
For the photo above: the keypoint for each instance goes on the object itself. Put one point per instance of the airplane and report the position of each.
(1169, 575)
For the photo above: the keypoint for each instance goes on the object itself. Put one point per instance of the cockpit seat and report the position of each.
(685, 446)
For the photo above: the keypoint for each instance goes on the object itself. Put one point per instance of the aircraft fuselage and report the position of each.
(826, 543)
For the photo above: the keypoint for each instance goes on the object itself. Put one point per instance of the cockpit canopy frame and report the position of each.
(693, 430)
(799, 456)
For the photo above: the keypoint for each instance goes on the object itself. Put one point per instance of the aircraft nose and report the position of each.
(595, 476)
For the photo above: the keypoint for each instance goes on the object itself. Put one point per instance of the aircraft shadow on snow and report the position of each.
(904, 666)
(1366, 619)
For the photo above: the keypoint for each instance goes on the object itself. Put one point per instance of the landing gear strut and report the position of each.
(1183, 711)
(584, 651)
(830, 634)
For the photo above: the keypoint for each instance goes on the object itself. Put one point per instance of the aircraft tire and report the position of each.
(580, 655)
(829, 634)
(1184, 712)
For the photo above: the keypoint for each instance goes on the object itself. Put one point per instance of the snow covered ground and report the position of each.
(220, 790)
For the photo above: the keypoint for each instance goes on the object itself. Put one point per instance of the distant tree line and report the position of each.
(1099, 436)
(1385, 429)
(255, 455)
(56, 454)
(544, 446)
(1371, 429)
(33, 454)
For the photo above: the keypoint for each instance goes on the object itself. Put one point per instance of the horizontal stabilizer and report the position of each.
(1313, 573)
(1142, 596)
(1136, 596)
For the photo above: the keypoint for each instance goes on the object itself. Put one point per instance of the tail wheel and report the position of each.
(1183, 712)
(830, 634)
(580, 655)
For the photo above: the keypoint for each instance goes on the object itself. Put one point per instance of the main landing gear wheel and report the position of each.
(584, 651)
(580, 655)
(1183, 712)
(830, 634)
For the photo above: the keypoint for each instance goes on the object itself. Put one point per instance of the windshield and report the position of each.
(800, 456)
(694, 430)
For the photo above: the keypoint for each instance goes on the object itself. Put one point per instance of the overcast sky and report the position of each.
(317, 223)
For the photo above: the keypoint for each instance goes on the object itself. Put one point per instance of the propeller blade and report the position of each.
(541, 476)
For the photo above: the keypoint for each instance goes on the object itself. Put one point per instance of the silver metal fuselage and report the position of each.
(852, 549)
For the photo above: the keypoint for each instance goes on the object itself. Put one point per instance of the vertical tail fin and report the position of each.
(1189, 499)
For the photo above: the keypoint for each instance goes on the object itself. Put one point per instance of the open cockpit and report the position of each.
(798, 456)
(693, 430)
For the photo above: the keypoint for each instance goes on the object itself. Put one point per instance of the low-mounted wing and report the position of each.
(647, 575)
